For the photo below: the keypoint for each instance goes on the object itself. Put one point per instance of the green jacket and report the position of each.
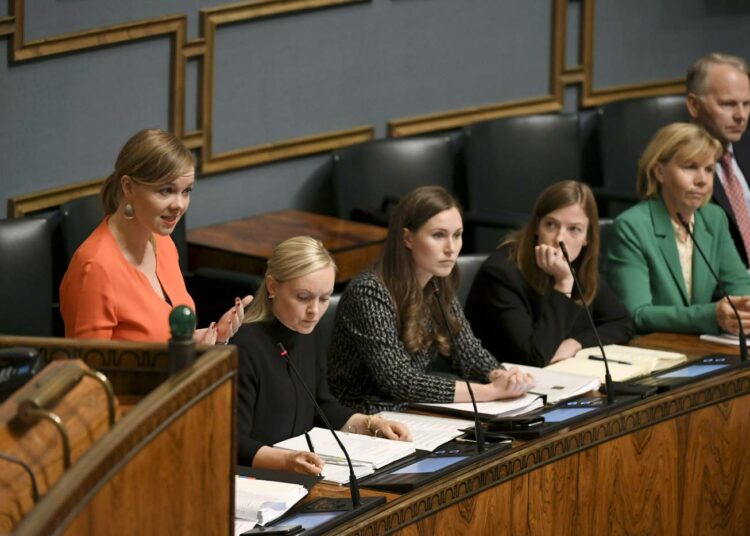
(644, 269)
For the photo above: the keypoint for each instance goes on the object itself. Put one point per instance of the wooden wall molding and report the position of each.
(23, 205)
(553, 102)
(597, 97)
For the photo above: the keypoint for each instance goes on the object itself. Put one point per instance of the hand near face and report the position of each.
(550, 260)
(231, 321)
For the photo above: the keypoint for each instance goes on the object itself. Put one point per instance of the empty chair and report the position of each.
(26, 276)
(508, 163)
(468, 266)
(625, 128)
(370, 178)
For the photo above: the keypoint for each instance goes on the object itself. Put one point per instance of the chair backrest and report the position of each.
(370, 178)
(625, 128)
(510, 161)
(26, 277)
(79, 218)
(605, 236)
(468, 266)
(324, 329)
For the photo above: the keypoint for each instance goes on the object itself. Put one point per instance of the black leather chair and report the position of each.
(508, 163)
(624, 130)
(26, 277)
(212, 289)
(369, 178)
(468, 266)
(324, 329)
(605, 237)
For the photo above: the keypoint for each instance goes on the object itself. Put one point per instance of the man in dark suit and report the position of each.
(718, 99)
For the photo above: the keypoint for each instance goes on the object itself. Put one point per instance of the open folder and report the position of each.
(557, 385)
(488, 410)
(625, 362)
(366, 452)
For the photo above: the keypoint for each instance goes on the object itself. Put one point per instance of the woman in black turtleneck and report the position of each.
(273, 405)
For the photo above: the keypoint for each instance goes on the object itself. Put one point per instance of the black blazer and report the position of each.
(520, 326)
(742, 155)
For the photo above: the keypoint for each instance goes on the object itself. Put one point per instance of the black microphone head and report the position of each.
(435, 285)
(564, 250)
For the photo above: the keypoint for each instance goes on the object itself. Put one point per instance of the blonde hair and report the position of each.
(150, 156)
(697, 76)
(684, 141)
(292, 258)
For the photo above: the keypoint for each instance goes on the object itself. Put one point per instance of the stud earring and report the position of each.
(128, 211)
(271, 296)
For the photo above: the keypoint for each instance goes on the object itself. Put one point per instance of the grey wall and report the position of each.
(65, 117)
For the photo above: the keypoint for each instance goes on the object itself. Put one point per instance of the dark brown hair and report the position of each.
(396, 270)
(151, 156)
(559, 195)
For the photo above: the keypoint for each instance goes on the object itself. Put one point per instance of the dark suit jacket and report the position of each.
(515, 322)
(742, 155)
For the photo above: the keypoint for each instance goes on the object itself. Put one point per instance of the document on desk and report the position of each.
(487, 410)
(366, 452)
(428, 432)
(625, 362)
(557, 385)
(262, 501)
(724, 338)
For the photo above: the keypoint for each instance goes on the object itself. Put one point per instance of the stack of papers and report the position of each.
(488, 410)
(262, 501)
(557, 385)
(428, 432)
(625, 362)
(366, 452)
(724, 338)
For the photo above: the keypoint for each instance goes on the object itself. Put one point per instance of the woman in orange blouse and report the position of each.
(125, 278)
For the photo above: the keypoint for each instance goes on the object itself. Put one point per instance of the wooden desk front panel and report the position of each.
(675, 464)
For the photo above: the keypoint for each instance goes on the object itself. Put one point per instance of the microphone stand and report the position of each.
(353, 483)
(610, 386)
(743, 341)
(478, 431)
(607, 376)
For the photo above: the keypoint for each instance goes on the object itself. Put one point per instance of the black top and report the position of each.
(514, 321)
(273, 406)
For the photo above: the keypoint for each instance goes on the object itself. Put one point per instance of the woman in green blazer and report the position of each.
(652, 263)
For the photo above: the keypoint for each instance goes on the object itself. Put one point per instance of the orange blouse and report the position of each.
(103, 296)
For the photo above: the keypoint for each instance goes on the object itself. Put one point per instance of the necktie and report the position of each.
(736, 198)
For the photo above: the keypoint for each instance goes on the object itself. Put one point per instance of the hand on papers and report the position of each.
(510, 383)
(568, 348)
(303, 462)
(390, 429)
(725, 316)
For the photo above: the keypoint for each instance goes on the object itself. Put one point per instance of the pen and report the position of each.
(309, 443)
(600, 358)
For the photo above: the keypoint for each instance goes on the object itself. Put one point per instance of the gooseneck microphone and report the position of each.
(478, 431)
(743, 341)
(353, 484)
(607, 377)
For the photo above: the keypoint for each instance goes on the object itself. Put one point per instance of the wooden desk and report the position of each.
(245, 245)
(676, 463)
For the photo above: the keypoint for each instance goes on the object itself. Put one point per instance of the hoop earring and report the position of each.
(128, 211)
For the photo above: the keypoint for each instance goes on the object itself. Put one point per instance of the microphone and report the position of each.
(478, 430)
(181, 347)
(743, 341)
(610, 386)
(353, 484)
